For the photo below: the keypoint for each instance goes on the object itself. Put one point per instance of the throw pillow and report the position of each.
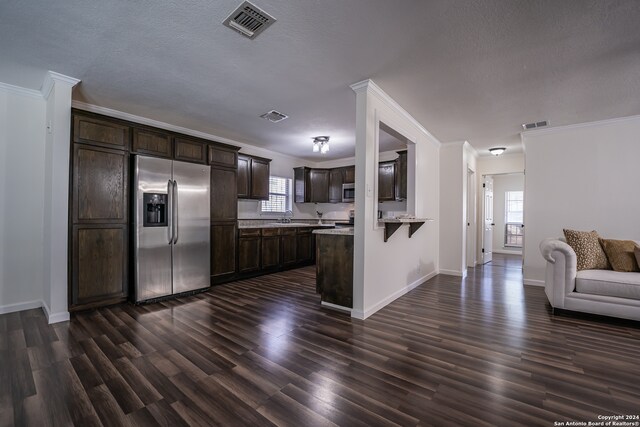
(637, 252)
(589, 253)
(620, 254)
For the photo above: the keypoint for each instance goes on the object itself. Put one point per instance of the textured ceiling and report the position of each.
(467, 70)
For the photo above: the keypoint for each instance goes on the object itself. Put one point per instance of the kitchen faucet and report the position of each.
(286, 220)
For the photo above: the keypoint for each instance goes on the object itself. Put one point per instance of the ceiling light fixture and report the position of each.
(320, 144)
(496, 151)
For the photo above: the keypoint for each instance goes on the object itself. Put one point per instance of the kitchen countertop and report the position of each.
(285, 225)
(337, 231)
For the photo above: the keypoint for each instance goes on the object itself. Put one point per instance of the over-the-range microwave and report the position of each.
(348, 193)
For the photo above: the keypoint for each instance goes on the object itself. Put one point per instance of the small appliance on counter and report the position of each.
(351, 216)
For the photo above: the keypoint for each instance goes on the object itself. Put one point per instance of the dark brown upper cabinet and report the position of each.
(224, 200)
(106, 133)
(190, 151)
(151, 142)
(349, 175)
(336, 179)
(401, 176)
(386, 181)
(223, 157)
(100, 185)
(253, 177)
(311, 185)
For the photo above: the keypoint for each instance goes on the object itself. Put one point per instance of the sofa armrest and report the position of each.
(560, 278)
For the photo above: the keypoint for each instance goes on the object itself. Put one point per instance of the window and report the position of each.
(514, 202)
(279, 195)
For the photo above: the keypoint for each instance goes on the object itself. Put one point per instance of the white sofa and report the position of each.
(605, 292)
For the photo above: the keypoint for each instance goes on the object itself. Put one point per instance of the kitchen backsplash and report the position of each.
(250, 209)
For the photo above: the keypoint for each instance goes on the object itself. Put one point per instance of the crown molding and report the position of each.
(51, 78)
(604, 122)
(31, 93)
(370, 87)
(178, 129)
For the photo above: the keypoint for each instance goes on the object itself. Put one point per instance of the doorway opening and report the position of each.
(503, 219)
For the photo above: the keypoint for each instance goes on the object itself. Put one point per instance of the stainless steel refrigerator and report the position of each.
(172, 220)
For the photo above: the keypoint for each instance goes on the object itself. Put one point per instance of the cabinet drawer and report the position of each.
(289, 231)
(89, 130)
(151, 142)
(222, 157)
(249, 232)
(305, 230)
(269, 231)
(190, 151)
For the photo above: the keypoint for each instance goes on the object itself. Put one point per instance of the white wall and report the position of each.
(22, 183)
(583, 177)
(502, 184)
(384, 271)
(456, 158)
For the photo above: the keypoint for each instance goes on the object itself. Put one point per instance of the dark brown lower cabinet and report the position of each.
(334, 269)
(223, 251)
(304, 246)
(99, 272)
(270, 248)
(288, 242)
(249, 242)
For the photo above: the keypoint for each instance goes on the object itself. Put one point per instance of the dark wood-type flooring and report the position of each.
(480, 352)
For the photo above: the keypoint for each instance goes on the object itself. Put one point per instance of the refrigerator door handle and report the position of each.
(175, 217)
(170, 212)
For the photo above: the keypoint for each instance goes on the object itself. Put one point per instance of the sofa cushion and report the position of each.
(620, 254)
(609, 283)
(589, 253)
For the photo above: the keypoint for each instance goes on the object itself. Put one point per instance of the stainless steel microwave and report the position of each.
(348, 193)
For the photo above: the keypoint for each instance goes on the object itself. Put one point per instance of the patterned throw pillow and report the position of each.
(636, 251)
(620, 254)
(589, 253)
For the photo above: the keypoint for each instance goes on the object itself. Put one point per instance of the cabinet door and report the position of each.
(349, 175)
(259, 179)
(100, 185)
(224, 196)
(289, 252)
(99, 265)
(151, 142)
(270, 252)
(386, 181)
(223, 249)
(190, 151)
(244, 176)
(304, 247)
(319, 183)
(104, 133)
(300, 184)
(335, 185)
(248, 254)
(401, 176)
(223, 157)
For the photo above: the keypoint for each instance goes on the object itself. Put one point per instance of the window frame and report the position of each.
(288, 196)
(511, 234)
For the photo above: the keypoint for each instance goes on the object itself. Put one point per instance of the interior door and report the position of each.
(487, 233)
(191, 247)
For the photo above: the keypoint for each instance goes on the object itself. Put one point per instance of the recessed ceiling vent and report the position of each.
(535, 125)
(274, 116)
(249, 20)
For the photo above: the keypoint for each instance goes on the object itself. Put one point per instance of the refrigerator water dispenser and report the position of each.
(155, 212)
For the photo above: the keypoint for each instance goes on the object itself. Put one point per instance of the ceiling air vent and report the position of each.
(535, 125)
(249, 20)
(274, 116)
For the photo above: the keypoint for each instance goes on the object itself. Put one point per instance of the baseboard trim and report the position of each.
(336, 307)
(20, 306)
(61, 316)
(359, 314)
(506, 252)
(457, 273)
(532, 282)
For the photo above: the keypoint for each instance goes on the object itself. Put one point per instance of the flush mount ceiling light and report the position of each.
(496, 151)
(320, 144)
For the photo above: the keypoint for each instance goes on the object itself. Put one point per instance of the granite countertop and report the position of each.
(284, 225)
(403, 220)
(336, 231)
